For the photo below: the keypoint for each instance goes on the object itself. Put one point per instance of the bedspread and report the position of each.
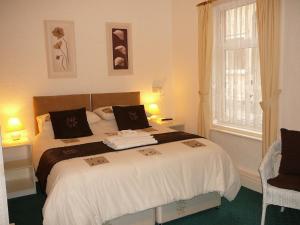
(80, 194)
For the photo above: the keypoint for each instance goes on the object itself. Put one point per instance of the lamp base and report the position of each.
(15, 136)
(154, 118)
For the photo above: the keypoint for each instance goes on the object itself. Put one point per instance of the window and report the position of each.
(236, 90)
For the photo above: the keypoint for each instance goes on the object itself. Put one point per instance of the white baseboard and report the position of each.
(250, 180)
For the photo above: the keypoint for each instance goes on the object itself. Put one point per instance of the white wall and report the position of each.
(185, 65)
(23, 68)
(290, 65)
(246, 153)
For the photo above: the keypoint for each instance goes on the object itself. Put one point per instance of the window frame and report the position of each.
(225, 128)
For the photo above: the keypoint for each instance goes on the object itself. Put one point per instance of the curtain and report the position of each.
(3, 198)
(205, 65)
(236, 84)
(268, 37)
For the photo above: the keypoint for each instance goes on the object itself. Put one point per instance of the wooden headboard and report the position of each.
(45, 104)
(107, 99)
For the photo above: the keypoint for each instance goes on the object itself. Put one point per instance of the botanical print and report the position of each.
(60, 39)
(62, 53)
(119, 48)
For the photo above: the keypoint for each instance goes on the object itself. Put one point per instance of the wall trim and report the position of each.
(250, 180)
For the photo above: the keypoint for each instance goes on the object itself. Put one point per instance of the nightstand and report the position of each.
(173, 124)
(18, 167)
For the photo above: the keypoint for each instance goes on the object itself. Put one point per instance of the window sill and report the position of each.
(237, 132)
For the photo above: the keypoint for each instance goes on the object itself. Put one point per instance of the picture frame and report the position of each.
(60, 48)
(119, 48)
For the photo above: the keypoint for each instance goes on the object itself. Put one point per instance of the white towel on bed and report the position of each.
(128, 135)
(129, 139)
(124, 145)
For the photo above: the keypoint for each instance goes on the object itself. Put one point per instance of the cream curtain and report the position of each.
(268, 36)
(205, 66)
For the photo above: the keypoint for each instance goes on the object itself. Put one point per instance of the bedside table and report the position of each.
(18, 167)
(173, 124)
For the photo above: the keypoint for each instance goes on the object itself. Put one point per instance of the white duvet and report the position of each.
(79, 194)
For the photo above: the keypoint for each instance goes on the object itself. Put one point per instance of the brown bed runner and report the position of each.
(54, 155)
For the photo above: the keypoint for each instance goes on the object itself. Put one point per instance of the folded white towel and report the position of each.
(128, 135)
(131, 141)
(119, 146)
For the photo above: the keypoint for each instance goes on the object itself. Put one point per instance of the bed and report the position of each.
(131, 189)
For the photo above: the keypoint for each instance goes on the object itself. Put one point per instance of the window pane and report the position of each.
(239, 22)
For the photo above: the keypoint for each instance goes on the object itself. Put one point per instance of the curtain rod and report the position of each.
(206, 2)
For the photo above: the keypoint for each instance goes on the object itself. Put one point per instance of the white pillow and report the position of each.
(105, 113)
(47, 128)
(44, 122)
(92, 117)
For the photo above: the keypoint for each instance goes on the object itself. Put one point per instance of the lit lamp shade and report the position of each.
(153, 109)
(15, 126)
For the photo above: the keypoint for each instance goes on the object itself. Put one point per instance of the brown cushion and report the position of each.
(290, 162)
(130, 117)
(70, 124)
(291, 182)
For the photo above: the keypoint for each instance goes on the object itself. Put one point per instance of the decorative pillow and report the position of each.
(44, 121)
(290, 152)
(105, 113)
(70, 124)
(130, 117)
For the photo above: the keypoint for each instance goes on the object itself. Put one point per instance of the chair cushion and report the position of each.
(290, 152)
(291, 182)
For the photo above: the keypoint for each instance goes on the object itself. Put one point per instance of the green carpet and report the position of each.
(244, 210)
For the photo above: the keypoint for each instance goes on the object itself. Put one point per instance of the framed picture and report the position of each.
(119, 51)
(60, 45)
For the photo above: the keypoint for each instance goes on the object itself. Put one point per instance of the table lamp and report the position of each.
(14, 127)
(153, 109)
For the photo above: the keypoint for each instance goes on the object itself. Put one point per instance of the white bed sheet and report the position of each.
(82, 195)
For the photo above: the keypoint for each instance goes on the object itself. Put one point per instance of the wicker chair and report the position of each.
(273, 195)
